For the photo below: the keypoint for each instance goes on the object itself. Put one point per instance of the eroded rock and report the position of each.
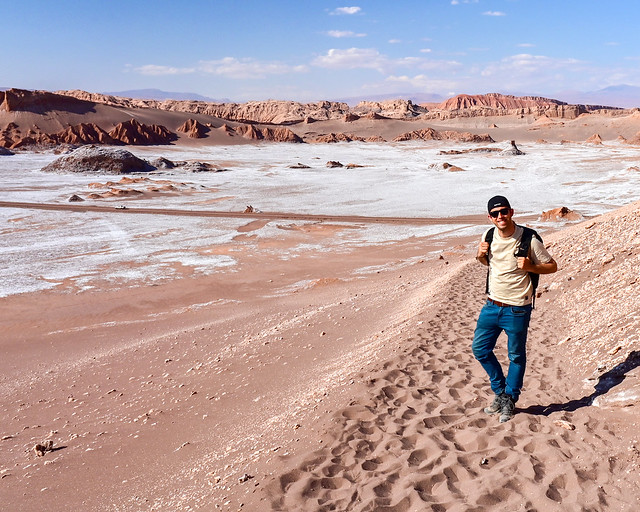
(194, 129)
(561, 213)
(134, 133)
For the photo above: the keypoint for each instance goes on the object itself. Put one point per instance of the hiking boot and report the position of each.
(508, 409)
(496, 405)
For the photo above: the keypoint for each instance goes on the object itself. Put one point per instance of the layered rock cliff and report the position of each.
(290, 112)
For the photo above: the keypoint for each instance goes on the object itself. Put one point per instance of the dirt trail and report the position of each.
(470, 219)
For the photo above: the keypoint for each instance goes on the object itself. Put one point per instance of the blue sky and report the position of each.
(309, 50)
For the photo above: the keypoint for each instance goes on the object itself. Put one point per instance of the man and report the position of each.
(509, 303)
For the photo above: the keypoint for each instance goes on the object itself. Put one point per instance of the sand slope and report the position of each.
(418, 439)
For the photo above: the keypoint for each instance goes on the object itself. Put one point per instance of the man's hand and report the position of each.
(541, 268)
(526, 264)
(483, 250)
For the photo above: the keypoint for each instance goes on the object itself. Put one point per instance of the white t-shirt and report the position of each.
(508, 283)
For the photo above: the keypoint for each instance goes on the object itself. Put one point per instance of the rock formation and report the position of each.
(594, 139)
(162, 163)
(393, 109)
(512, 150)
(99, 160)
(494, 104)
(135, 133)
(337, 137)
(451, 168)
(497, 102)
(279, 134)
(431, 134)
(193, 129)
(561, 213)
(41, 102)
(84, 133)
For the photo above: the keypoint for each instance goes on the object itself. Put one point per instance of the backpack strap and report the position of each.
(488, 238)
(523, 252)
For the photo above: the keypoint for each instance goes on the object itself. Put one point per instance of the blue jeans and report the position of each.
(514, 321)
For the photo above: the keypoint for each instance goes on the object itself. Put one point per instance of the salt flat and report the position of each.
(43, 250)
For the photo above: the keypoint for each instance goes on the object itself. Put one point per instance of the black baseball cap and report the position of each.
(496, 201)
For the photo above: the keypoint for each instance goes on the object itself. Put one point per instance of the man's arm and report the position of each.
(540, 268)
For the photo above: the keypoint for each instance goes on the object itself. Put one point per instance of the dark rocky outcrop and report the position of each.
(99, 160)
(162, 163)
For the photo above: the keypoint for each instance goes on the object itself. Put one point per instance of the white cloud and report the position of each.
(352, 58)
(153, 70)
(370, 58)
(347, 10)
(525, 63)
(394, 41)
(425, 50)
(494, 13)
(526, 71)
(231, 67)
(423, 82)
(612, 43)
(344, 33)
(526, 45)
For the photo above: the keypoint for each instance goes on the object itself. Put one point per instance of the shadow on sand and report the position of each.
(606, 382)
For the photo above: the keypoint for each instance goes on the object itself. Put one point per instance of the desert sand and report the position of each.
(305, 385)
(349, 394)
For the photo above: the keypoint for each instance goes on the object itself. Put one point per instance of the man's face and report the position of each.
(501, 216)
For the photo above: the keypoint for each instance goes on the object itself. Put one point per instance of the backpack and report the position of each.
(522, 252)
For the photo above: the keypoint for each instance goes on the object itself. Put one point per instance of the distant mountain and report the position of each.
(625, 96)
(415, 97)
(157, 94)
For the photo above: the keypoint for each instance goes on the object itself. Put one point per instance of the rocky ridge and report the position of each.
(290, 112)
(78, 117)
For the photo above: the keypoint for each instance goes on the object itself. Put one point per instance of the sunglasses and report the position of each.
(504, 212)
